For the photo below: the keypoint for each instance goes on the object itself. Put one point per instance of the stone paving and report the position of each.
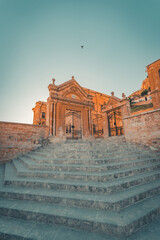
(82, 190)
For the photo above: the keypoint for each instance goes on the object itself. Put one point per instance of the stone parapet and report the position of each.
(17, 139)
(143, 128)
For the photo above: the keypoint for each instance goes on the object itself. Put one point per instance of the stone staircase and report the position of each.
(87, 189)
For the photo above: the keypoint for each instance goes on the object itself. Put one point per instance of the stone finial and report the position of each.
(112, 93)
(123, 95)
(53, 79)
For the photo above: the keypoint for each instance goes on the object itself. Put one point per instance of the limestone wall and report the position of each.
(17, 138)
(143, 128)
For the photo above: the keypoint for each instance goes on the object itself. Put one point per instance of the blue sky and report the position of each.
(41, 39)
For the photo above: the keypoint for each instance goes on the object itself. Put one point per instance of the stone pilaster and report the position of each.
(105, 125)
(126, 109)
(54, 119)
(86, 132)
(50, 119)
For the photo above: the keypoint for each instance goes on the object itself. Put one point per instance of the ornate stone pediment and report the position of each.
(113, 101)
(70, 91)
(72, 95)
(74, 89)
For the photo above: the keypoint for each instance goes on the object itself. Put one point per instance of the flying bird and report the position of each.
(82, 46)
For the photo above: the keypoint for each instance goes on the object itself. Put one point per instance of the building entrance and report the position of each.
(115, 123)
(73, 124)
(97, 126)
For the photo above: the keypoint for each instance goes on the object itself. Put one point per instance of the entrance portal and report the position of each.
(115, 123)
(73, 124)
(98, 126)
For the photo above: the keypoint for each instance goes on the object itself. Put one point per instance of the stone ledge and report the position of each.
(156, 110)
(31, 125)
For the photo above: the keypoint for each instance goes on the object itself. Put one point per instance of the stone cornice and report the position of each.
(69, 100)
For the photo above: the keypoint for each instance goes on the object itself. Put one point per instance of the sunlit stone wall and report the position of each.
(17, 139)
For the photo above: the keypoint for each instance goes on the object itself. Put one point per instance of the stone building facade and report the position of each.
(72, 111)
(153, 71)
(40, 113)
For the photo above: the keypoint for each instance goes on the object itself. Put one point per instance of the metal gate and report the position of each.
(115, 123)
(97, 126)
(73, 124)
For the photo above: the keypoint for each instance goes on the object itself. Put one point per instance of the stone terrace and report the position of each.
(82, 190)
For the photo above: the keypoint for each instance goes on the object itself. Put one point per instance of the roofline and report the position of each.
(152, 63)
(96, 91)
(64, 83)
(84, 88)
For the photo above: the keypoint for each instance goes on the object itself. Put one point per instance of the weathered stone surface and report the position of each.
(17, 139)
(144, 128)
(111, 188)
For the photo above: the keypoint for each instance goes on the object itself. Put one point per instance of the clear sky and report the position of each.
(41, 39)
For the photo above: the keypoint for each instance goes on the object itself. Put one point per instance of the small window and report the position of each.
(43, 115)
(159, 72)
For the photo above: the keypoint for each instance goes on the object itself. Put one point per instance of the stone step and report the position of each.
(94, 166)
(92, 145)
(106, 159)
(82, 154)
(86, 176)
(91, 148)
(113, 202)
(121, 224)
(77, 185)
(96, 141)
(108, 187)
(112, 140)
(20, 229)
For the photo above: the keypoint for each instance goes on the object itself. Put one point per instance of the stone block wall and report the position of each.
(17, 139)
(143, 128)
